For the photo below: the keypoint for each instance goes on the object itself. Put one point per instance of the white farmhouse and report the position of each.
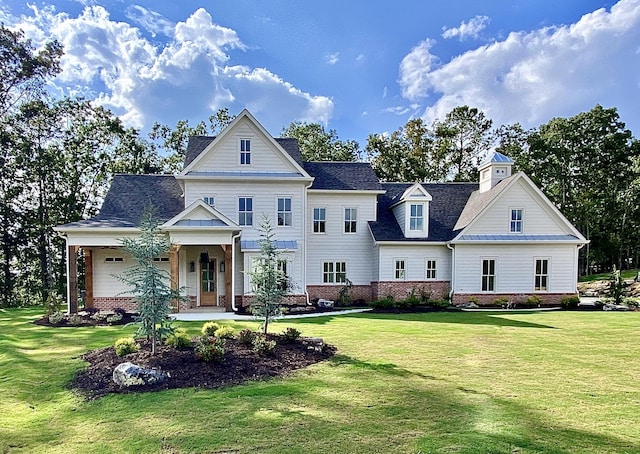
(335, 223)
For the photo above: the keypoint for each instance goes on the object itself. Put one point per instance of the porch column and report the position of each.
(88, 278)
(174, 262)
(228, 273)
(72, 278)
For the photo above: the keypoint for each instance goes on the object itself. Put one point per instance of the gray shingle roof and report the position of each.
(354, 176)
(129, 195)
(449, 199)
(198, 143)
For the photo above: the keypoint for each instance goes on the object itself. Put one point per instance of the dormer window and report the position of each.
(515, 224)
(245, 152)
(210, 201)
(416, 220)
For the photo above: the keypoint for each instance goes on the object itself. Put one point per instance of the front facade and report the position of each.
(335, 224)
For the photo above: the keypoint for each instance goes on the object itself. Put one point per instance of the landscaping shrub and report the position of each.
(126, 345)
(120, 311)
(384, 303)
(534, 301)
(75, 320)
(209, 329)
(262, 345)
(56, 317)
(438, 304)
(410, 302)
(91, 310)
(179, 339)
(246, 336)
(99, 316)
(570, 303)
(291, 334)
(500, 301)
(209, 349)
(224, 332)
(115, 318)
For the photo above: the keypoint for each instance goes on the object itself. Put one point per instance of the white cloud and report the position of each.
(188, 77)
(150, 20)
(532, 77)
(332, 59)
(466, 30)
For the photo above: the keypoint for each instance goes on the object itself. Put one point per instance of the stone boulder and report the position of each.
(129, 374)
(315, 344)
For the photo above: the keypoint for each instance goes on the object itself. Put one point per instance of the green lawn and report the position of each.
(552, 382)
(625, 274)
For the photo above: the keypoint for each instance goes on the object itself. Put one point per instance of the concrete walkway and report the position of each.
(206, 316)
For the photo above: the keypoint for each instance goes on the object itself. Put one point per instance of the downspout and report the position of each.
(233, 271)
(304, 233)
(453, 270)
(577, 259)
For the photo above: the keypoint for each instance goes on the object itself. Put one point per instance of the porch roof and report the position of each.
(254, 245)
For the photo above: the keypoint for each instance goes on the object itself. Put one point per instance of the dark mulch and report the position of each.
(241, 364)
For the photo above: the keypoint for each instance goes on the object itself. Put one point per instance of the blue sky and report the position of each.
(357, 67)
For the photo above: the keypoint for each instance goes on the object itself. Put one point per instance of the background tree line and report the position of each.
(57, 158)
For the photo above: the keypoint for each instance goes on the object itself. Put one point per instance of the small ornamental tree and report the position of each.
(270, 284)
(150, 285)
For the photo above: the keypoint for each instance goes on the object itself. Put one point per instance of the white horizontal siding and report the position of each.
(415, 256)
(538, 218)
(357, 250)
(225, 156)
(515, 267)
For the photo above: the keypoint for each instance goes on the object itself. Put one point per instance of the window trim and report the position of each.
(354, 222)
(322, 221)
(547, 275)
(245, 211)
(427, 269)
(209, 200)
(243, 154)
(331, 277)
(490, 288)
(420, 218)
(400, 273)
(290, 212)
(516, 221)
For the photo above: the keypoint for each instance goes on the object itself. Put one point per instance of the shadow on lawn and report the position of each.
(464, 318)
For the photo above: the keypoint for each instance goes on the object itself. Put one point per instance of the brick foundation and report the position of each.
(331, 292)
(488, 299)
(288, 300)
(399, 290)
(109, 303)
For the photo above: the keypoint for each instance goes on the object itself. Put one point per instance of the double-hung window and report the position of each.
(400, 269)
(334, 272)
(488, 275)
(245, 152)
(515, 224)
(541, 278)
(416, 218)
(245, 210)
(430, 269)
(350, 220)
(210, 201)
(284, 211)
(319, 220)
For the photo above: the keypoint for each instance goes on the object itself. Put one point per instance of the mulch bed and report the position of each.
(84, 320)
(241, 364)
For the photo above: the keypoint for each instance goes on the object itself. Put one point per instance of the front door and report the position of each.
(208, 294)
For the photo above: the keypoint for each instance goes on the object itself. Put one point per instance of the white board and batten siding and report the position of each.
(356, 249)
(226, 154)
(538, 218)
(415, 256)
(515, 267)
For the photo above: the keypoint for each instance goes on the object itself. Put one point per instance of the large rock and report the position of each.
(129, 374)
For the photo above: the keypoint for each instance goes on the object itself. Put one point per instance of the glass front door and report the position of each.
(208, 293)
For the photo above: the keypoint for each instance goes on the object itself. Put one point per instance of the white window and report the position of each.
(430, 269)
(515, 225)
(400, 271)
(416, 219)
(350, 220)
(114, 259)
(283, 277)
(284, 211)
(541, 278)
(488, 275)
(334, 272)
(245, 210)
(319, 220)
(245, 152)
(210, 201)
